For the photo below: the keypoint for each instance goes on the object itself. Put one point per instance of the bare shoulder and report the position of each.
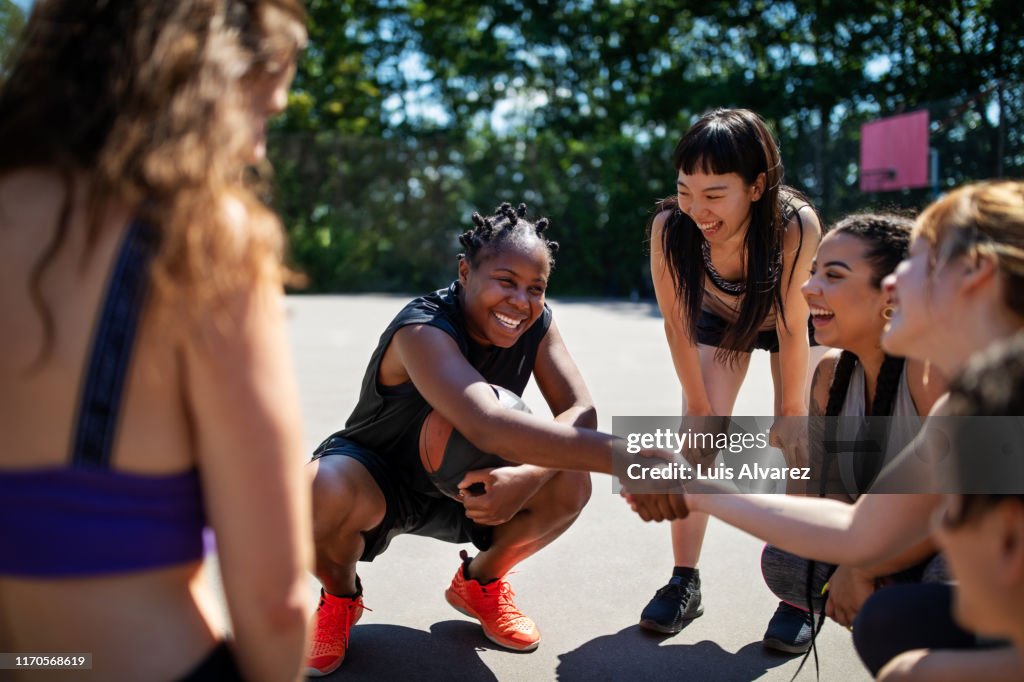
(821, 382)
(658, 224)
(825, 370)
(803, 227)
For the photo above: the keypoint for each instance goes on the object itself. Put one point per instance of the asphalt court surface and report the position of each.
(586, 590)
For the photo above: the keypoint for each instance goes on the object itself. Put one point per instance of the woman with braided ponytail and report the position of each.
(442, 353)
(866, 389)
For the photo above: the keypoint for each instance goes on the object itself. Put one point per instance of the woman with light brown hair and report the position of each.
(148, 387)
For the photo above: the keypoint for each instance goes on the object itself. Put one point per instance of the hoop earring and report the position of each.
(887, 312)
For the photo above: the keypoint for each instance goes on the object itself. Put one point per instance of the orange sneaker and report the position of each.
(334, 617)
(491, 604)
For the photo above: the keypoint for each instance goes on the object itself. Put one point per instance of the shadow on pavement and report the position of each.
(450, 651)
(632, 654)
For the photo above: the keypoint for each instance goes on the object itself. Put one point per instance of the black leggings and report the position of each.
(905, 617)
(219, 666)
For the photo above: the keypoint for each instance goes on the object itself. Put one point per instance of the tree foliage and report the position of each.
(407, 115)
(12, 20)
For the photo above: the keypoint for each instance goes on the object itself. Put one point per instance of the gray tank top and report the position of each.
(904, 425)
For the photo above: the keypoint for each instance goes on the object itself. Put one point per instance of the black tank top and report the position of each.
(387, 419)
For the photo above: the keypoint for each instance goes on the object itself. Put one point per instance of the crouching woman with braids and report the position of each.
(443, 352)
(856, 381)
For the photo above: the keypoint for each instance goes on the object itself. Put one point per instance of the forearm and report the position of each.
(583, 416)
(530, 439)
(794, 354)
(537, 475)
(815, 528)
(873, 529)
(911, 556)
(270, 641)
(686, 362)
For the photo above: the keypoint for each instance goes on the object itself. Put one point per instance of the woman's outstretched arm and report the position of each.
(868, 531)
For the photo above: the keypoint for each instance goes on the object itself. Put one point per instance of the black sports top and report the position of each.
(387, 419)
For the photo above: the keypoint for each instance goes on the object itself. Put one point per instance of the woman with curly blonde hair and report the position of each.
(144, 355)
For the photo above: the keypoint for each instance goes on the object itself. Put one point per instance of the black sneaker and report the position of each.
(673, 606)
(790, 630)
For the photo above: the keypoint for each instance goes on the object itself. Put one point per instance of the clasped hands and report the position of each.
(663, 497)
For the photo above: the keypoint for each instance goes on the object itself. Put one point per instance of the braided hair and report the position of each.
(888, 240)
(507, 227)
(887, 237)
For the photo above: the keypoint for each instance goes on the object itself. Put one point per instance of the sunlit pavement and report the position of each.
(586, 590)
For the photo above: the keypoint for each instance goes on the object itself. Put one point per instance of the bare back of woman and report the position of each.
(148, 387)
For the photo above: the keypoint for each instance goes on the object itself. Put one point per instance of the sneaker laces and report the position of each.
(499, 604)
(676, 591)
(673, 590)
(334, 622)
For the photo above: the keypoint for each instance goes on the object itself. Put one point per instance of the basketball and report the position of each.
(445, 453)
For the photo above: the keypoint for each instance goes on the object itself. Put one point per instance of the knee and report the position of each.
(573, 492)
(876, 631)
(786, 575)
(907, 667)
(344, 494)
(779, 570)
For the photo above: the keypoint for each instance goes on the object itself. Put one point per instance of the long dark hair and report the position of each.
(731, 141)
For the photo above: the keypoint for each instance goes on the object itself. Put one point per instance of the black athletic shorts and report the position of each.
(711, 330)
(409, 511)
(218, 666)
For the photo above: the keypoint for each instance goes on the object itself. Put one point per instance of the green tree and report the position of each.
(408, 114)
(12, 21)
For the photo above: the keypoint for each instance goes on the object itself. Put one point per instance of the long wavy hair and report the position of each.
(147, 103)
(721, 142)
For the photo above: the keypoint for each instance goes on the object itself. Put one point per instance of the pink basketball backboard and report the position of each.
(894, 153)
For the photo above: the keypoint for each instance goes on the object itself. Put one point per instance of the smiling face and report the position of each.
(846, 307)
(922, 299)
(503, 294)
(719, 204)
